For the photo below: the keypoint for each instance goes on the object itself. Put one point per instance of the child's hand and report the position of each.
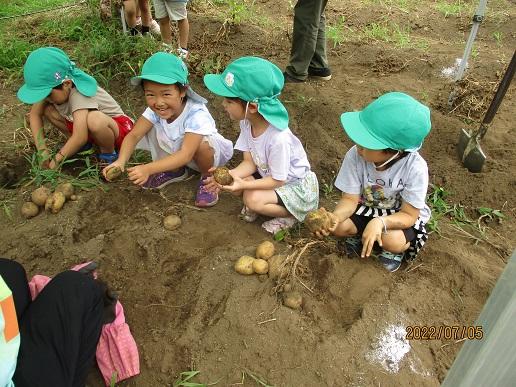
(334, 221)
(211, 185)
(237, 186)
(110, 166)
(138, 174)
(371, 234)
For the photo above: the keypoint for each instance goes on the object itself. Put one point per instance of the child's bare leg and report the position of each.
(264, 202)
(103, 129)
(184, 31)
(345, 229)
(204, 157)
(130, 12)
(56, 119)
(395, 241)
(166, 30)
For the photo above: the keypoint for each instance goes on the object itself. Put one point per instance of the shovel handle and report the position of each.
(500, 93)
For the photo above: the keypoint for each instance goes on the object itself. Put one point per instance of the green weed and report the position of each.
(6, 206)
(185, 377)
(403, 5)
(336, 33)
(498, 36)
(14, 8)
(451, 9)
(392, 33)
(89, 176)
(258, 379)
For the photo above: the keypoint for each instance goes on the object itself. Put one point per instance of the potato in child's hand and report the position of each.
(222, 176)
(29, 210)
(113, 173)
(265, 250)
(318, 220)
(55, 202)
(244, 265)
(66, 188)
(40, 195)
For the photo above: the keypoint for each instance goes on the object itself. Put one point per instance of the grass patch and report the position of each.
(18, 7)
(339, 32)
(402, 5)
(454, 8)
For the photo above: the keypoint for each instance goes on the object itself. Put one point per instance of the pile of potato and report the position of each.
(51, 201)
(266, 262)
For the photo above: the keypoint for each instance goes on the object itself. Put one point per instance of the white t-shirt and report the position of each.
(195, 118)
(276, 153)
(406, 180)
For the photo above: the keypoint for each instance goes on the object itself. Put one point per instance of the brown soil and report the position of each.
(186, 306)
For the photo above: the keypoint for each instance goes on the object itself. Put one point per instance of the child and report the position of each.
(274, 177)
(167, 10)
(178, 129)
(384, 180)
(73, 102)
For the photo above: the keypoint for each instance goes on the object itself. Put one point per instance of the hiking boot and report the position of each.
(162, 179)
(290, 79)
(205, 198)
(323, 73)
(390, 261)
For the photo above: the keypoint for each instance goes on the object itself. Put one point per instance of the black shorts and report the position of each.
(257, 176)
(361, 221)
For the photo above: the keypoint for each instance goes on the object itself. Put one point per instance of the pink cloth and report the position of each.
(116, 350)
(117, 353)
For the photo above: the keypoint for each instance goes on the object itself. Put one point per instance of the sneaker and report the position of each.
(390, 261)
(290, 79)
(323, 74)
(277, 224)
(350, 246)
(107, 158)
(205, 198)
(162, 179)
(248, 215)
(182, 53)
(154, 28)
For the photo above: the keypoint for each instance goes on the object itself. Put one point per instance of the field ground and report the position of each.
(187, 308)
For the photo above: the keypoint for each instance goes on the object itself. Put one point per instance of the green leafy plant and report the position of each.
(184, 380)
(450, 9)
(498, 36)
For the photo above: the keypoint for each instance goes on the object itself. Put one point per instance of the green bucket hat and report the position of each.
(48, 67)
(394, 120)
(255, 80)
(166, 69)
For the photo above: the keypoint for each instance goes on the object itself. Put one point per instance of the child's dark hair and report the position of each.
(236, 99)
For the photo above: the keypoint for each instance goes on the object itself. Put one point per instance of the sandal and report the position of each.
(248, 215)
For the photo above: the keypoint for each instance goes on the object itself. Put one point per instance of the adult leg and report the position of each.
(184, 31)
(16, 279)
(145, 14)
(60, 331)
(319, 59)
(307, 16)
(166, 30)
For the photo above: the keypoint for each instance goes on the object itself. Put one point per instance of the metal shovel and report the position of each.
(478, 17)
(468, 148)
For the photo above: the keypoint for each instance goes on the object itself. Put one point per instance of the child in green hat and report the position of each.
(73, 102)
(384, 181)
(274, 177)
(176, 127)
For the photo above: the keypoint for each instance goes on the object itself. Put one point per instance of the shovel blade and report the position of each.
(470, 153)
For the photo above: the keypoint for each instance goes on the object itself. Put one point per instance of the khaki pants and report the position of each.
(309, 38)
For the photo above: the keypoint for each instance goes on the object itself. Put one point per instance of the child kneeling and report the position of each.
(384, 180)
(274, 177)
(178, 130)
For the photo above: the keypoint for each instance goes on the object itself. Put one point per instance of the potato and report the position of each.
(260, 266)
(66, 188)
(222, 176)
(113, 173)
(293, 300)
(55, 202)
(317, 220)
(40, 195)
(74, 197)
(171, 222)
(265, 250)
(274, 266)
(244, 265)
(29, 210)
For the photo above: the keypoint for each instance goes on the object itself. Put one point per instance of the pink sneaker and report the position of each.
(162, 179)
(205, 198)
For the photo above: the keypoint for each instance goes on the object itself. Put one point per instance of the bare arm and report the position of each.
(36, 125)
(183, 156)
(140, 129)
(245, 168)
(78, 138)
